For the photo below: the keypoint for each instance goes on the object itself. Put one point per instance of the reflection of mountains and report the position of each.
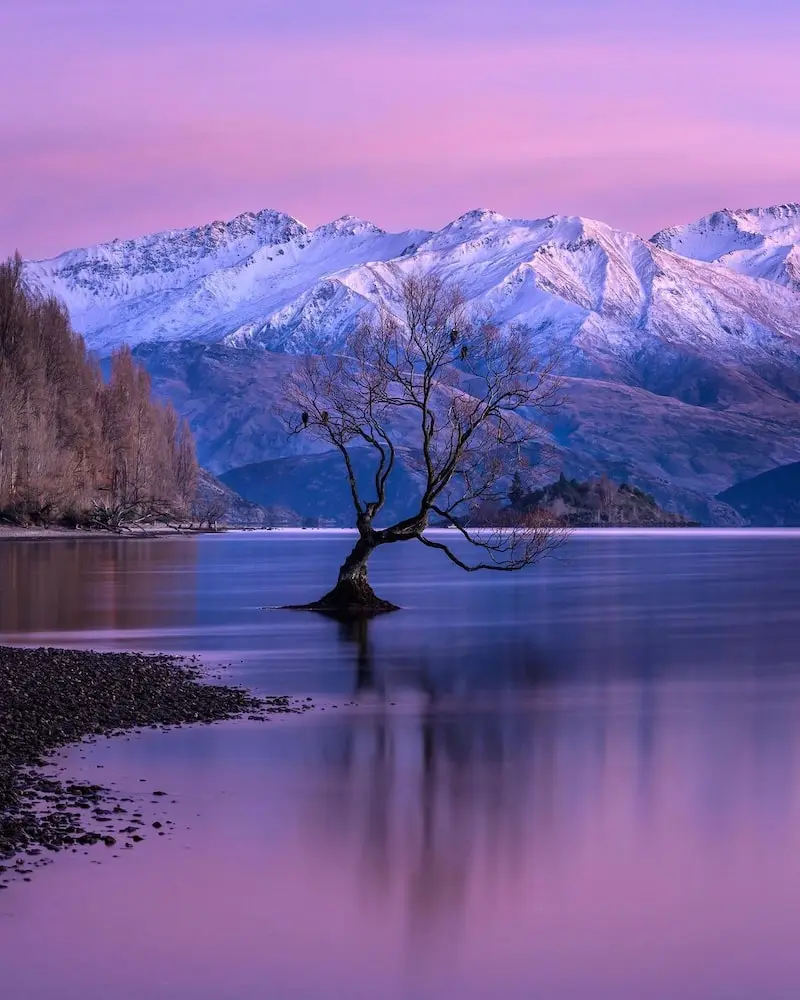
(434, 793)
(73, 585)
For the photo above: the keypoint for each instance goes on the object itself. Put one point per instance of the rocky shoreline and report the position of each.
(50, 698)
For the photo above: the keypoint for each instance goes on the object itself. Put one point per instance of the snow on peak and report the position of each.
(179, 253)
(267, 222)
(348, 225)
(758, 242)
(265, 279)
(777, 218)
(481, 215)
(476, 217)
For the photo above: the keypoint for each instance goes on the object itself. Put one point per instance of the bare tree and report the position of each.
(210, 510)
(456, 386)
(606, 494)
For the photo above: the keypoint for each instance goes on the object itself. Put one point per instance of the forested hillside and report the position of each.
(74, 449)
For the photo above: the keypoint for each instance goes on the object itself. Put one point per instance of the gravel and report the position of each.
(53, 697)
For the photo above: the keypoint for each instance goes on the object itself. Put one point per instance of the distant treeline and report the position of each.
(596, 503)
(74, 449)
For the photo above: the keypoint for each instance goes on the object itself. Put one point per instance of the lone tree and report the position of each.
(457, 386)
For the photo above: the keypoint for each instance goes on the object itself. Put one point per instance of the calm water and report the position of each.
(581, 782)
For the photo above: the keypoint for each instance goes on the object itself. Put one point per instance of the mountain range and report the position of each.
(681, 352)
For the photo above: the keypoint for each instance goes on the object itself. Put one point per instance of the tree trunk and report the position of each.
(353, 596)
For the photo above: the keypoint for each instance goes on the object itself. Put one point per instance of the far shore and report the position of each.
(14, 532)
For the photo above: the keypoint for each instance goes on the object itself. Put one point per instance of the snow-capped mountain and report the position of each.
(757, 242)
(681, 330)
(209, 282)
(268, 281)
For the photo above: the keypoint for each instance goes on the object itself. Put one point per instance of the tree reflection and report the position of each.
(430, 780)
(354, 632)
(94, 583)
(450, 785)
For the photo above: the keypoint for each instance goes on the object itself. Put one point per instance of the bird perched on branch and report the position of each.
(304, 418)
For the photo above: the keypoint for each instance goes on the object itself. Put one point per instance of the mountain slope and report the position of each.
(682, 453)
(316, 486)
(769, 500)
(611, 300)
(215, 500)
(756, 242)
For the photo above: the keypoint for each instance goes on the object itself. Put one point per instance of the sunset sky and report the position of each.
(120, 118)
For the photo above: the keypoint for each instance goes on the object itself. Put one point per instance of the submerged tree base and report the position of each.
(348, 599)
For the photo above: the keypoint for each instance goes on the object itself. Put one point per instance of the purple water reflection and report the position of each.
(579, 807)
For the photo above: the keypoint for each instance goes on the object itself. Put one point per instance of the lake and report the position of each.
(579, 782)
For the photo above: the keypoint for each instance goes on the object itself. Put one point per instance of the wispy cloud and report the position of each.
(133, 124)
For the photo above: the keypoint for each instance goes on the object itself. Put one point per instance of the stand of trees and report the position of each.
(569, 503)
(74, 449)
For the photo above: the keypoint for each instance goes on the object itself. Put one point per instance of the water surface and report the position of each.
(581, 781)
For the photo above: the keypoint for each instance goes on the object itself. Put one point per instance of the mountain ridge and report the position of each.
(706, 355)
(266, 279)
(756, 242)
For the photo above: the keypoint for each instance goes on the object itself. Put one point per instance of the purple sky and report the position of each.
(126, 117)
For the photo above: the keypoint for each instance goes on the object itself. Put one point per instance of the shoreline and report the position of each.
(54, 698)
(15, 533)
